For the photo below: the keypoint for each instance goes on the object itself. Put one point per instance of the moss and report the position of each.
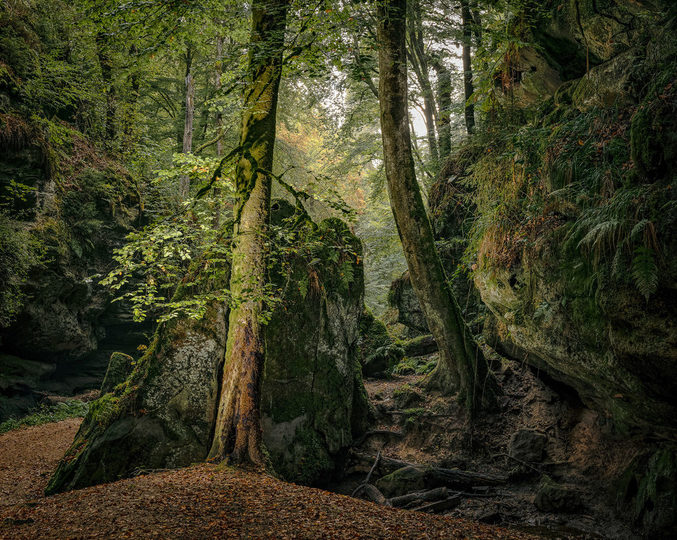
(406, 396)
(413, 415)
(373, 334)
(103, 410)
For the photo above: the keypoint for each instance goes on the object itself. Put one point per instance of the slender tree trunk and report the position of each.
(466, 19)
(219, 73)
(444, 104)
(187, 146)
(129, 120)
(219, 128)
(238, 424)
(462, 365)
(419, 62)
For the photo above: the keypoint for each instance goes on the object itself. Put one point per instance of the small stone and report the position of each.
(527, 445)
(554, 497)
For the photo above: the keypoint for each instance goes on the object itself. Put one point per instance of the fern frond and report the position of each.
(645, 271)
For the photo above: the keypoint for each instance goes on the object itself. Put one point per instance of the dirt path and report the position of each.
(28, 456)
(204, 501)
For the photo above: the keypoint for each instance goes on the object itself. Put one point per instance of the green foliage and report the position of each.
(20, 251)
(73, 408)
(645, 271)
(418, 365)
(574, 176)
(176, 266)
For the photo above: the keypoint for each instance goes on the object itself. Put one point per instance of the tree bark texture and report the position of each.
(189, 109)
(466, 20)
(462, 365)
(238, 424)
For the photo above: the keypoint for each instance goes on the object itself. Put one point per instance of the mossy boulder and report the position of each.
(403, 481)
(379, 353)
(160, 417)
(554, 497)
(313, 399)
(403, 298)
(120, 366)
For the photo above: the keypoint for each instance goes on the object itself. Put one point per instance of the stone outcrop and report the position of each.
(313, 400)
(579, 272)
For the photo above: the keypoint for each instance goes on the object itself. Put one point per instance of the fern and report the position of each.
(645, 271)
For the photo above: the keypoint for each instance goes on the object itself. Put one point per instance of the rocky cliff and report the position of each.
(573, 243)
(66, 203)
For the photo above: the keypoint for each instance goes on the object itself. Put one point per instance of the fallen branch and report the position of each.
(429, 495)
(440, 506)
(364, 485)
(385, 465)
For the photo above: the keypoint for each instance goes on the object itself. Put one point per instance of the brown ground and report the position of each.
(580, 453)
(204, 501)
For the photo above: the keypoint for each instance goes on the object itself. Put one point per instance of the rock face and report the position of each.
(378, 351)
(73, 218)
(527, 445)
(66, 205)
(575, 231)
(409, 312)
(313, 400)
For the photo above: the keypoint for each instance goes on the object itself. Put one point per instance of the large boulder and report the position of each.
(160, 417)
(409, 313)
(313, 400)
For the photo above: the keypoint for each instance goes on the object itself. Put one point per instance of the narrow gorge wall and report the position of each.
(574, 242)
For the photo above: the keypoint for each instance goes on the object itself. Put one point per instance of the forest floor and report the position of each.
(203, 501)
(576, 454)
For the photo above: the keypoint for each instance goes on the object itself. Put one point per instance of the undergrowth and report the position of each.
(577, 177)
(73, 408)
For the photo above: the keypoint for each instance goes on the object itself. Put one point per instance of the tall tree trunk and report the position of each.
(219, 74)
(238, 424)
(466, 20)
(189, 109)
(129, 120)
(419, 62)
(444, 104)
(462, 365)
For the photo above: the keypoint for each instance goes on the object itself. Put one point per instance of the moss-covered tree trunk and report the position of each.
(238, 425)
(444, 104)
(462, 365)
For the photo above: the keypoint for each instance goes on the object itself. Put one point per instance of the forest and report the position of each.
(338, 269)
